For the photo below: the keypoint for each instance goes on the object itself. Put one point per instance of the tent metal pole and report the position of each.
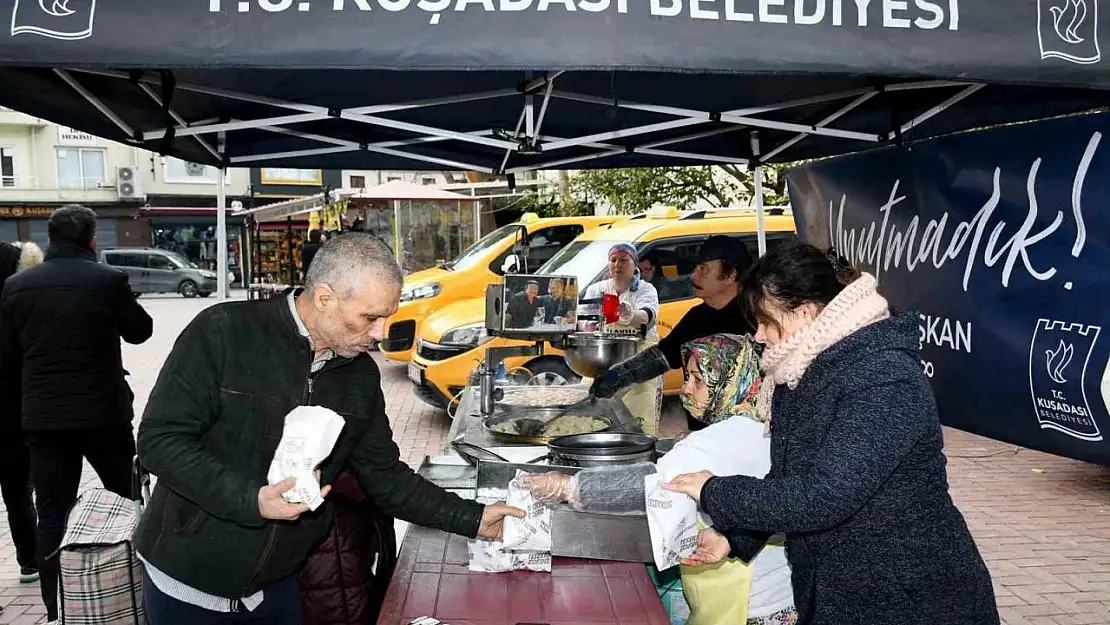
(477, 216)
(351, 146)
(647, 148)
(543, 107)
(516, 135)
(397, 231)
(940, 108)
(177, 118)
(221, 227)
(95, 101)
(627, 132)
(847, 108)
(426, 130)
(727, 117)
(757, 173)
(187, 129)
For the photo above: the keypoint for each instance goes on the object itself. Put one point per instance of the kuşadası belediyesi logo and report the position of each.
(67, 20)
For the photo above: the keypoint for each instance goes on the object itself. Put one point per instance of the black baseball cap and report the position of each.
(727, 249)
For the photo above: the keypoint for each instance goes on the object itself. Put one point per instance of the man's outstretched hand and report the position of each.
(272, 506)
(493, 519)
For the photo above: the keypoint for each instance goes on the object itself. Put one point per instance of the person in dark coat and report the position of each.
(857, 480)
(216, 539)
(15, 464)
(60, 329)
(346, 576)
(523, 306)
(316, 238)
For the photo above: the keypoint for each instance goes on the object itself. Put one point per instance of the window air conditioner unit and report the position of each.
(127, 183)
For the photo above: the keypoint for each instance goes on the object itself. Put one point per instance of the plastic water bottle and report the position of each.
(500, 378)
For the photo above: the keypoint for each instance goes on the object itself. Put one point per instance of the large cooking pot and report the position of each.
(589, 354)
(602, 449)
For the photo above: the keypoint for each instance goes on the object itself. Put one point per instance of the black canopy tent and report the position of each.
(508, 86)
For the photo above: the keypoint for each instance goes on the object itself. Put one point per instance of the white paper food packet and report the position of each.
(492, 556)
(309, 434)
(533, 532)
(672, 523)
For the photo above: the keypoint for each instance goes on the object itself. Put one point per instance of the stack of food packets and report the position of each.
(525, 544)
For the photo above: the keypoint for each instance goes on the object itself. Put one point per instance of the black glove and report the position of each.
(607, 384)
(644, 366)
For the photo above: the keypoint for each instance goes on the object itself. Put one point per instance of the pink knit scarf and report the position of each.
(857, 306)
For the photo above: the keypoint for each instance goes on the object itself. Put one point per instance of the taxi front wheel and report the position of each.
(551, 372)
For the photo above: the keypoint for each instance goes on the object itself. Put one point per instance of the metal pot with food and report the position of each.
(591, 353)
(602, 449)
(540, 425)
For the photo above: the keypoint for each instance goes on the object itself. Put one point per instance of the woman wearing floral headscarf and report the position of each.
(722, 383)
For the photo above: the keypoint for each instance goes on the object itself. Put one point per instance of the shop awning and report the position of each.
(518, 85)
(392, 190)
(402, 190)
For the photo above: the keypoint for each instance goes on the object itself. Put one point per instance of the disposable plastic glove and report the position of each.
(625, 313)
(551, 486)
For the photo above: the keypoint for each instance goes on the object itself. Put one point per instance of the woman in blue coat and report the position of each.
(857, 480)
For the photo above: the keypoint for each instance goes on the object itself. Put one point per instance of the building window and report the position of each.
(80, 168)
(392, 178)
(358, 182)
(282, 176)
(177, 171)
(428, 182)
(7, 167)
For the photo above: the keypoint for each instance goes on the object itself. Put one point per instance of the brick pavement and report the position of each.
(1042, 522)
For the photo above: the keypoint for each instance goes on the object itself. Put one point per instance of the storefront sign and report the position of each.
(69, 136)
(998, 240)
(26, 212)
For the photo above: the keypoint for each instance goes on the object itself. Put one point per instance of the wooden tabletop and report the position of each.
(432, 579)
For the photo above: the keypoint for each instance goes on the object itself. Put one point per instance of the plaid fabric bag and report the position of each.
(101, 576)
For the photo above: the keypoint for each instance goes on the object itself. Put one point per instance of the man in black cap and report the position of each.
(722, 262)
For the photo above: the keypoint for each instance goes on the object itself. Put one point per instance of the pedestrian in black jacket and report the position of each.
(216, 539)
(60, 329)
(857, 480)
(15, 464)
(316, 238)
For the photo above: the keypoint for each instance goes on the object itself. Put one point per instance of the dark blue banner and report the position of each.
(1001, 240)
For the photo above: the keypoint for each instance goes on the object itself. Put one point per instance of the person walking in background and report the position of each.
(60, 326)
(316, 238)
(15, 465)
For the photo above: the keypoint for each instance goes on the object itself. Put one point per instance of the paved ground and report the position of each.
(1042, 523)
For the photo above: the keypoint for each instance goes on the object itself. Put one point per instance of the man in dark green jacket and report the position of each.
(216, 539)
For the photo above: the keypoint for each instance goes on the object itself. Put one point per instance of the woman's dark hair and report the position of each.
(792, 275)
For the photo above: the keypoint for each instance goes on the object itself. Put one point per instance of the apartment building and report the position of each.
(134, 192)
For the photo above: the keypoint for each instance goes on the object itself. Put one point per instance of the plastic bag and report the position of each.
(672, 523)
(307, 438)
(533, 532)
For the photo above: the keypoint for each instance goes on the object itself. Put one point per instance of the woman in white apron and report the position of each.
(639, 305)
